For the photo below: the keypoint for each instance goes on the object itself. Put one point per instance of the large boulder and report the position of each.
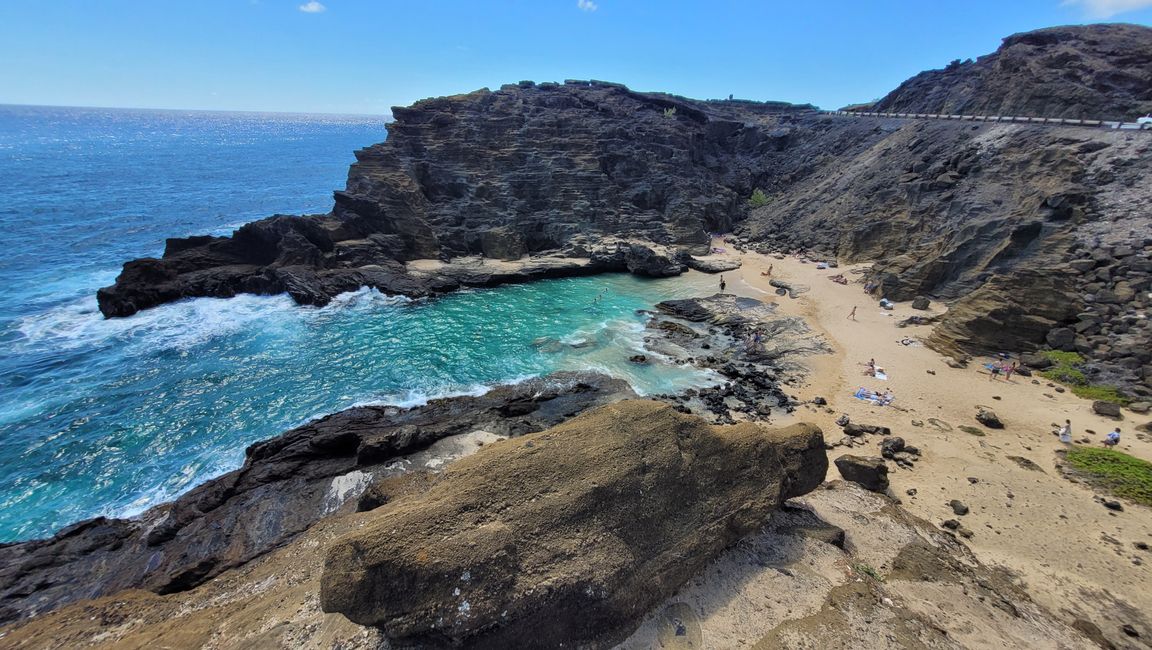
(869, 471)
(712, 265)
(567, 536)
(1107, 409)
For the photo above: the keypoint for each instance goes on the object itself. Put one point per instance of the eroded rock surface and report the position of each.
(566, 536)
(287, 484)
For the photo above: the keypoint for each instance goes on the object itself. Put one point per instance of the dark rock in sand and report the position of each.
(958, 507)
(1107, 409)
(585, 526)
(988, 418)
(854, 429)
(889, 447)
(920, 302)
(870, 472)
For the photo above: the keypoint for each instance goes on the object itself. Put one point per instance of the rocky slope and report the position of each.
(1099, 72)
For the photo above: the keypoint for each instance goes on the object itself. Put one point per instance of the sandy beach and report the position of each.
(1070, 552)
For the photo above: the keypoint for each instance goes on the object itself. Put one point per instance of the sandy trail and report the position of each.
(1074, 555)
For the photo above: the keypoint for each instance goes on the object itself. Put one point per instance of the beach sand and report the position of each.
(1070, 552)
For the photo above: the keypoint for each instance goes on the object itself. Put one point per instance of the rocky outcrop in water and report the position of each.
(586, 526)
(1096, 72)
(521, 171)
(286, 485)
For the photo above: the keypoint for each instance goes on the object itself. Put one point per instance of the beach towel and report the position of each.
(881, 375)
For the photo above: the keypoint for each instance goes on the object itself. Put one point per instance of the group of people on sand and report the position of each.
(1065, 433)
(998, 367)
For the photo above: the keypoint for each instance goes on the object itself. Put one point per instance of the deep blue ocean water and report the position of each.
(109, 417)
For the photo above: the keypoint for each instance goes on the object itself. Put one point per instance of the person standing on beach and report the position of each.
(722, 284)
(994, 370)
(1008, 370)
(852, 316)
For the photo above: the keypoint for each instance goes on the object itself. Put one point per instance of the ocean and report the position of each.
(110, 417)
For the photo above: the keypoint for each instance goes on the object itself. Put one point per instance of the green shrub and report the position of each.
(1122, 475)
(1067, 371)
(670, 111)
(1063, 358)
(1101, 393)
(758, 199)
(1065, 375)
(866, 570)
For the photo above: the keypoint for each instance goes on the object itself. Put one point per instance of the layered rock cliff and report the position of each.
(1098, 72)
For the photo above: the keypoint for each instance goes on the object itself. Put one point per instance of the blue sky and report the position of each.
(364, 56)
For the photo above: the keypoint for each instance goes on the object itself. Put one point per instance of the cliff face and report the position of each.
(525, 169)
(1078, 72)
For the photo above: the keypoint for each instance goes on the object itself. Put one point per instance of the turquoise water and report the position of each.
(109, 417)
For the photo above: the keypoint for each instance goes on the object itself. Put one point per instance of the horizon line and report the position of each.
(387, 116)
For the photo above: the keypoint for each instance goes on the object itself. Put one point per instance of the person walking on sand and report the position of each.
(1065, 432)
(852, 316)
(722, 284)
(994, 370)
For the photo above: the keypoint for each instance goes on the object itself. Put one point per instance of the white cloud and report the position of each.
(588, 5)
(1106, 8)
(312, 7)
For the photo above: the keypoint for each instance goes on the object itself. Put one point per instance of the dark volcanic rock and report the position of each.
(1098, 72)
(870, 472)
(523, 170)
(988, 418)
(1107, 409)
(286, 484)
(568, 536)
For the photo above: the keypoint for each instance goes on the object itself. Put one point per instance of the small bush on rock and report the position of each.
(758, 199)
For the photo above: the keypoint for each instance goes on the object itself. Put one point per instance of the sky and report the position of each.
(365, 56)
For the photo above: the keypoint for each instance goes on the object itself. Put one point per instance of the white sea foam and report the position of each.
(184, 324)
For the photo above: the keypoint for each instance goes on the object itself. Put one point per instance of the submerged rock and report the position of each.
(567, 536)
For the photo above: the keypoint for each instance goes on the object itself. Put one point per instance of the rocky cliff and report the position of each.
(1037, 235)
(1099, 72)
(522, 170)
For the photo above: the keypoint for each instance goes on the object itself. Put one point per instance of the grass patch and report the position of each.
(1101, 393)
(1066, 370)
(1118, 473)
(973, 430)
(865, 570)
(758, 199)
(1063, 358)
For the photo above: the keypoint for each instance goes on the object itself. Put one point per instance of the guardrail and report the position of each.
(1134, 126)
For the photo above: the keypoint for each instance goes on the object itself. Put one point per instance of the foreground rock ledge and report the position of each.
(569, 535)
